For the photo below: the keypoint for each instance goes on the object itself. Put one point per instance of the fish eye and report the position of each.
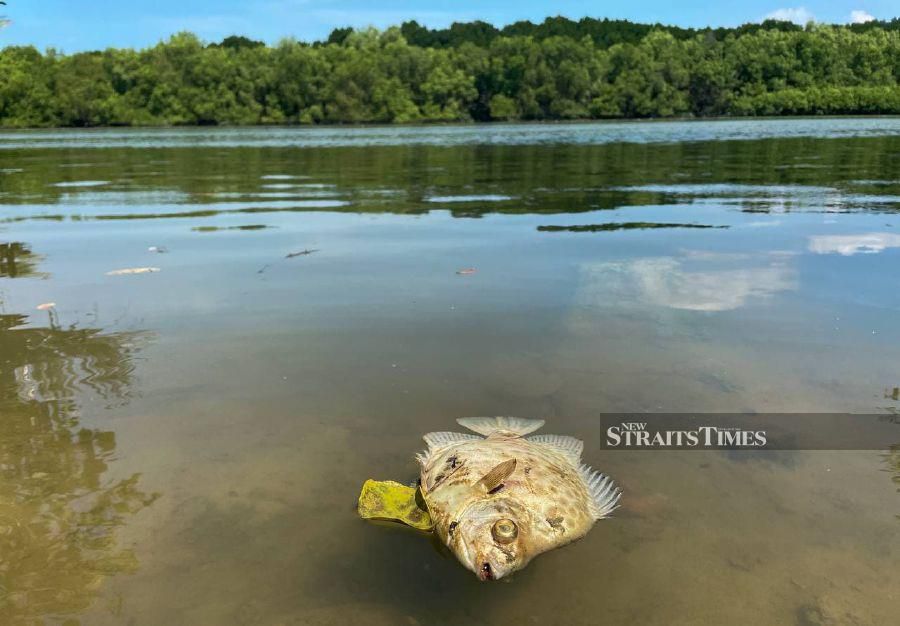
(505, 530)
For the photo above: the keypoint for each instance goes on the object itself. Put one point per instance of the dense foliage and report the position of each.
(559, 69)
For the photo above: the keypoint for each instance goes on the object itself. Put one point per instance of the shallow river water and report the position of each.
(186, 446)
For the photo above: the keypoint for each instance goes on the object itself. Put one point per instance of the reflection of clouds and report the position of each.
(664, 282)
(695, 282)
(707, 255)
(848, 245)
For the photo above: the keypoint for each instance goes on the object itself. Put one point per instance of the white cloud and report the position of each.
(799, 15)
(848, 245)
(861, 17)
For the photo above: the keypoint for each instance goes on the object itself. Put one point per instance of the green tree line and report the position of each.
(557, 70)
(603, 32)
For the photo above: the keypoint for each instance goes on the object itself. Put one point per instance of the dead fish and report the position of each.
(499, 501)
(133, 270)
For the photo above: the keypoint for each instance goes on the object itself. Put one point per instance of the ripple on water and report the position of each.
(720, 189)
(469, 198)
(298, 186)
(81, 183)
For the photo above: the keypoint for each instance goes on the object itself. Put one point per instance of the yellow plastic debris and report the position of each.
(389, 500)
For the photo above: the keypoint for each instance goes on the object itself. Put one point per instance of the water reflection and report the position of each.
(612, 226)
(695, 282)
(268, 372)
(892, 455)
(184, 181)
(892, 459)
(849, 245)
(18, 261)
(59, 515)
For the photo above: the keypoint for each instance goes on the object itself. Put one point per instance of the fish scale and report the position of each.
(499, 500)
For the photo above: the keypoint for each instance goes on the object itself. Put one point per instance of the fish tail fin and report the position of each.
(487, 425)
(603, 491)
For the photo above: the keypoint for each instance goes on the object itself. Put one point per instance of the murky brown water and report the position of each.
(186, 446)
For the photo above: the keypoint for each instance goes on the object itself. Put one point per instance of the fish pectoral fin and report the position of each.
(569, 447)
(496, 476)
(487, 425)
(603, 492)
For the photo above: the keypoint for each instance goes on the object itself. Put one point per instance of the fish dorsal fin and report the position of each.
(603, 492)
(438, 441)
(496, 476)
(569, 447)
(442, 440)
(488, 425)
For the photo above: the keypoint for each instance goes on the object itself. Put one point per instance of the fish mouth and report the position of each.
(473, 562)
(479, 565)
(485, 572)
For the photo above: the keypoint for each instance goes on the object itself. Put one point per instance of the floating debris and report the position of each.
(467, 271)
(133, 270)
(290, 255)
(158, 249)
(46, 306)
(389, 500)
(301, 253)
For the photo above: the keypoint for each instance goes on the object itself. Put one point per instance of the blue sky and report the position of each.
(73, 25)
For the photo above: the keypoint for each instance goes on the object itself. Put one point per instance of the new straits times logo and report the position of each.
(637, 435)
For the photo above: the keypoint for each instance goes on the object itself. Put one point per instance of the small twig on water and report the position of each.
(291, 255)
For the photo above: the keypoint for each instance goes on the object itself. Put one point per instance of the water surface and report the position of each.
(185, 446)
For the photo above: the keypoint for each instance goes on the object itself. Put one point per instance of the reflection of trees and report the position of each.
(892, 456)
(893, 461)
(58, 517)
(17, 261)
(548, 179)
